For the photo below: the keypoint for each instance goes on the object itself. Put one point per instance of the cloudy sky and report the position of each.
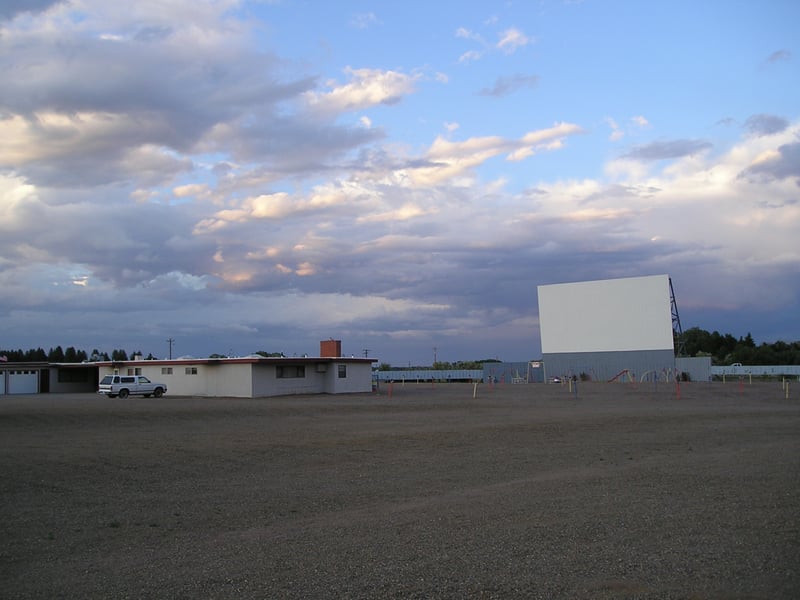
(261, 175)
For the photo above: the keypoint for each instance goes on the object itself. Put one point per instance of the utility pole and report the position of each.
(170, 341)
(366, 352)
(434, 357)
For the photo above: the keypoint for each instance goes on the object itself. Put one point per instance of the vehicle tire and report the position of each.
(158, 392)
(123, 394)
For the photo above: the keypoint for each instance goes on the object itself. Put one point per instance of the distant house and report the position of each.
(246, 377)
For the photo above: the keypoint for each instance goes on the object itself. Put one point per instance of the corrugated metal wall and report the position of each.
(604, 366)
(430, 375)
(697, 368)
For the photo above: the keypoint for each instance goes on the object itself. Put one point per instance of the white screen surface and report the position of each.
(606, 316)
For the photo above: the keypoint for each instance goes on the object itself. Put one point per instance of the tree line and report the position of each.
(724, 349)
(70, 355)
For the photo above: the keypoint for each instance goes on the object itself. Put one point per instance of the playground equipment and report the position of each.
(624, 373)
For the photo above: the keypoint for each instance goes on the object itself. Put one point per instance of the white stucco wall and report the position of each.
(266, 382)
(359, 378)
(210, 379)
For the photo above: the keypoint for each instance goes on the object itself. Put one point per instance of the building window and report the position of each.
(342, 371)
(290, 371)
(135, 371)
(166, 370)
(191, 370)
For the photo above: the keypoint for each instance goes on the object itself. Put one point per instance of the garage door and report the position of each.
(23, 381)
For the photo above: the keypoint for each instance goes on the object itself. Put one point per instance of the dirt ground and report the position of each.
(525, 491)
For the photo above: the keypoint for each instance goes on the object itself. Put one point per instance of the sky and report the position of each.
(261, 175)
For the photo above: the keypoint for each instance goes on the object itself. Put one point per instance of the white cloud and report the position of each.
(364, 20)
(234, 202)
(449, 160)
(616, 133)
(366, 88)
(470, 56)
(512, 40)
(463, 32)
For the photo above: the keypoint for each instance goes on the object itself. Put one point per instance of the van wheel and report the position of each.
(123, 394)
(158, 392)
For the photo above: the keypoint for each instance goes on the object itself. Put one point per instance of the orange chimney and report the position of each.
(330, 348)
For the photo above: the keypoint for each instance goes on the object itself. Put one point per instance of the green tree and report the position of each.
(696, 340)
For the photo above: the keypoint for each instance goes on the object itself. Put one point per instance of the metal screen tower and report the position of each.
(677, 330)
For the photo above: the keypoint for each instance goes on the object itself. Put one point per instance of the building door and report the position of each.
(23, 381)
(44, 381)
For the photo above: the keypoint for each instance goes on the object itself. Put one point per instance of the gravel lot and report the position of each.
(526, 491)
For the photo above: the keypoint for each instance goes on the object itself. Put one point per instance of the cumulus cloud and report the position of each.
(782, 163)
(157, 162)
(108, 107)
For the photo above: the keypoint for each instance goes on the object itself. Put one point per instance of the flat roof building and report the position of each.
(242, 377)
